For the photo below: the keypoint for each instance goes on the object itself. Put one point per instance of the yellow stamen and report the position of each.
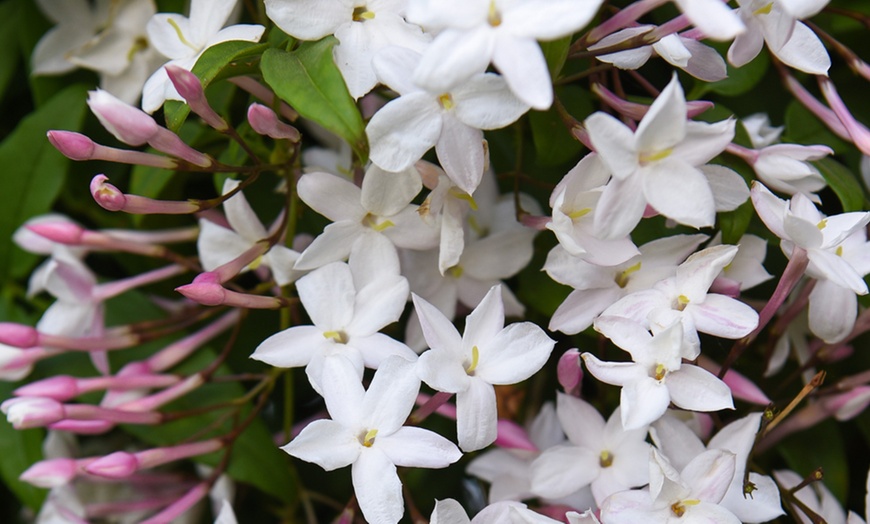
(765, 10)
(256, 263)
(361, 14)
(605, 460)
(372, 222)
(178, 32)
(446, 101)
(455, 271)
(494, 17)
(839, 251)
(661, 371)
(462, 195)
(140, 44)
(679, 508)
(646, 158)
(682, 302)
(823, 223)
(369, 438)
(475, 356)
(338, 336)
(622, 278)
(580, 212)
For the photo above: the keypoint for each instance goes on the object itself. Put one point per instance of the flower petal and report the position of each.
(420, 448)
(476, 416)
(377, 487)
(326, 443)
(696, 389)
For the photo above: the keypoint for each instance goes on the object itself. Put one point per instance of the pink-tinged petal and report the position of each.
(448, 511)
(163, 35)
(486, 102)
(377, 487)
(746, 46)
(705, 63)
(763, 506)
(551, 478)
(770, 208)
(577, 312)
(438, 330)
(328, 295)
(825, 264)
(292, 347)
(637, 306)
(476, 416)
(376, 348)
(309, 19)
(581, 422)
(516, 353)
(333, 245)
(325, 443)
(454, 56)
(676, 440)
(385, 193)
(521, 62)
(241, 216)
(460, 152)
(207, 18)
(710, 512)
(802, 232)
(378, 305)
(614, 373)
(839, 227)
(391, 395)
(741, 387)
(353, 56)
(692, 205)
(695, 276)
(342, 388)
(804, 51)
(723, 317)
(832, 311)
(629, 507)
(709, 474)
(486, 321)
(642, 402)
(443, 371)
(696, 389)
(402, 131)
(738, 438)
(419, 448)
(664, 125)
(615, 144)
(620, 208)
(332, 196)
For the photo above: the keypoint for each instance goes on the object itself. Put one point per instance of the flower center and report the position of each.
(338, 336)
(368, 438)
(682, 302)
(623, 277)
(823, 223)
(455, 271)
(661, 372)
(140, 44)
(654, 156)
(839, 251)
(361, 14)
(446, 102)
(180, 35)
(605, 460)
(371, 221)
(679, 507)
(580, 213)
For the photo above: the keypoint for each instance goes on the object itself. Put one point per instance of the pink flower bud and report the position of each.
(851, 404)
(32, 412)
(61, 232)
(108, 196)
(190, 88)
(127, 123)
(111, 198)
(265, 122)
(83, 427)
(74, 146)
(60, 388)
(511, 435)
(18, 335)
(570, 372)
(205, 293)
(117, 465)
(51, 473)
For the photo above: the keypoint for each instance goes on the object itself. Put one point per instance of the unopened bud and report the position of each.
(61, 232)
(204, 292)
(51, 473)
(74, 146)
(117, 465)
(32, 412)
(265, 122)
(570, 372)
(18, 335)
(512, 436)
(190, 88)
(127, 123)
(60, 388)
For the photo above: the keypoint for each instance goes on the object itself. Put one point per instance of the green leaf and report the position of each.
(224, 60)
(33, 171)
(734, 224)
(554, 144)
(803, 454)
(309, 80)
(556, 52)
(8, 43)
(802, 127)
(843, 182)
(740, 79)
(20, 450)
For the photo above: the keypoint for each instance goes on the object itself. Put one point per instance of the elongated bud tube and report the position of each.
(513, 436)
(264, 121)
(54, 472)
(177, 508)
(637, 111)
(179, 350)
(190, 88)
(71, 234)
(121, 464)
(569, 372)
(65, 387)
(25, 337)
(741, 387)
(209, 292)
(229, 270)
(823, 113)
(34, 412)
(111, 198)
(127, 123)
(858, 133)
(77, 146)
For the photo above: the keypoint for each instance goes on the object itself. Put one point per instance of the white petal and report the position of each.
(696, 389)
(728, 187)
(438, 330)
(420, 448)
(325, 443)
(448, 511)
(614, 143)
(403, 130)
(642, 402)
(723, 317)
(443, 371)
(377, 347)
(692, 205)
(476, 416)
(328, 295)
(292, 347)
(240, 215)
(333, 197)
(486, 321)
(804, 51)
(334, 244)
(377, 487)
(563, 470)
(353, 56)
(521, 62)
(207, 18)
(519, 351)
(454, 56)
(309, 19)
(710, 474)
(581, 422)
(460, 152)
(391, 395)
(486, 102)
(342, 389)
(664, 125)
(832, 311)
(713, 18)
(385, 193)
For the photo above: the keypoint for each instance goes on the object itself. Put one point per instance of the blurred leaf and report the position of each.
(223, 60)
(9, 20)
(34, 171)
(802, 127)
(803, 453)
(740, 79)
(554, 144)
(309, 80)
(556, 52)
(20, 450)
(31, 26)
(843, 182)
(734, 224)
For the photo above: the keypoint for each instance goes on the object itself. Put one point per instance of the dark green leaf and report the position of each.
(223, 60)
(309, 80)
(803, 454)
(554, 144)
(740, 79)
(843, 182)
(734, 224)
(33, 171)
(556, 52)
(8, 43)
(802, 127)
